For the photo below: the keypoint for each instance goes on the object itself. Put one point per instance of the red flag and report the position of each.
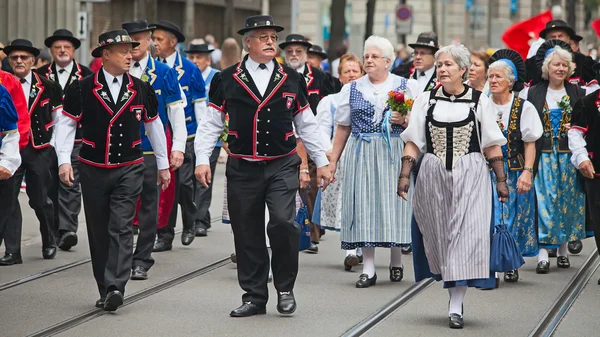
(596, 26)
(517, 36)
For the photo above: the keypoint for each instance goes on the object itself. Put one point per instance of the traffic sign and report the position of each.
(403, 13)
(82, 25)
(404, 19)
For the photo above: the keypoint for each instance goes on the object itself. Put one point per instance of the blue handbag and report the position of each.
(505, 254)
(304, 224)
(316, 216)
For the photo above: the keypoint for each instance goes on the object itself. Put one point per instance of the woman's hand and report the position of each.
(502, 190)
(333, 169)
(399, 119)
(524, 182)
(403, 185)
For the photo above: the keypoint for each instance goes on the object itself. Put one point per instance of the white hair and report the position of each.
(508, 70)
(565, 55)
(460, 54)
(244, 43)
(383, 44)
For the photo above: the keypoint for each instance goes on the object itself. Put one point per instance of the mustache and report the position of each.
(268, 48)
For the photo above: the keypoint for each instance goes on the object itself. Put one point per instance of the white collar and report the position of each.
(171, 59)
(28, 78)
(301, 69)
(253, 65)
(109, 78)
(206, 72)
(143, 63)
(428, 72)
(68, 68)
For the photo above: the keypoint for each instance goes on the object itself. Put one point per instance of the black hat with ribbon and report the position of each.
(557, 25)
(62, 34)
(548, 47)
(515, 62)
(317, 50)
(170, 27)
(138, 26)
(295, 39)
(258, 22)
(113, 37)
(204, 48)
(21, 44)
(426, 40)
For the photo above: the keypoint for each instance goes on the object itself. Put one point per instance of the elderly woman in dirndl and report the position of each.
(372, 214)
(453, 193)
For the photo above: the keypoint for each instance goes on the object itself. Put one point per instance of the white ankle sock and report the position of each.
(351, 252)
(358, 251)
(457, 295)
(395, 257)
(369, 261)
(563, 250)
(543, 255)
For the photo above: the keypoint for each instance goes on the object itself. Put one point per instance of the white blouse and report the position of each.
(448, 112)
(552, 96)
(531, 125)
(325, 115)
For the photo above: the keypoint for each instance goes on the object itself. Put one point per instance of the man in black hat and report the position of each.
(166, 36)
(263, 165)
(199, 54)
(422, 67)
(45, 105)
(110, 107)
(171, 103)
(67, 199)
(316, 56)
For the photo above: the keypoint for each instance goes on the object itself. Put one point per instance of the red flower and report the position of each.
(399, 97)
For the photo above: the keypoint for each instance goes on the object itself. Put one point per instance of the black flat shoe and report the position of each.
(360, 259)
(187, 237)
(364, 281)
(350, 261)
(563, 262)
(456, 321)
(575, 247)
(67, 241)
(286, 303)
(201, 231)
(248, 309)
(161, 246)
(139, 273)
(511, 276)
(233, 258)
(396, 274)
(313, 249)
(100, 303)
(406, 249)
(543, 267)
(10, 259)
(552, 252)
(114, 299)
(49, 253)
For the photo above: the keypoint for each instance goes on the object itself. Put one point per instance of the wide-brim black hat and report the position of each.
(426, 40)
(516, 62)
(258, 22)
(557, 24)
(295, 39)
(170, 27)
(314, 49)
(138, 26)
(111, 38)
(204, 48)
(21, 44)
(540, 56)
(62, 34)
(577, 38)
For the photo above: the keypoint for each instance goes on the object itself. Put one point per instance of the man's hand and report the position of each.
(164, 178)
(524, 182)
(203, 174)
(225, 147)
(4, 173)
(176, 159)
(587, 169)
(304, 178)
(323, 176)
(65, 173)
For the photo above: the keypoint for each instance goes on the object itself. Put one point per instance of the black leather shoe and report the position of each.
(575, 247)
(511, 276)
(161, 246)
(364, 281)
(187, 237)
(270, 279)
(100, 303)
(10, 259)
(552, 252)
(406, 249)
(286, 303)
(201, 231)
(136, 230)
(543, 267)
(233, 258)
(114, 299)
(248, 309)
(139, 273)
(456, 321)
(396, 274)
(49, 253)
(67, 241)
(563, 262)
(360, 259)
(350, 261)
(313, 249)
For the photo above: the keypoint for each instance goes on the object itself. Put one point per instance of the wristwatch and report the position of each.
(528, 169)
(305, 171)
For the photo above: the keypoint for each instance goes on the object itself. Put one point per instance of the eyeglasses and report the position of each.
(17, 57)
(421, 54)
(373, 57)
(266, 38)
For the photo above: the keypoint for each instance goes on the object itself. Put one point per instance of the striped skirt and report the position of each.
(373, 215)
(453, 211)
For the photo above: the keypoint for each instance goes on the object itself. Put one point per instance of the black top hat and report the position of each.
(426, 40)
(62, 34)
(546, 48)
(21, 44)
(577, 38)
(314, 49)
(138, 26)
(113, 37)
(200, 48)
(557, 24)
(295, 39)
(259, 21)
(170, 27)
(515, 61)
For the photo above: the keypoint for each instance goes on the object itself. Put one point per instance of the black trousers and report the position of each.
(35, 167)
(147, 214)
(7, 200)
(109, 198)
(249, 186)
(184, 195)
(592, 190)
(203, 196)
(66, 199)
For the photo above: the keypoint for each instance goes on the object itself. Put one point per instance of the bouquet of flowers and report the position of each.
(565, 103)
(398, 102)
(225, 132)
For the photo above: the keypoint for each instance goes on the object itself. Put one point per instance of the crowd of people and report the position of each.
(422, 154)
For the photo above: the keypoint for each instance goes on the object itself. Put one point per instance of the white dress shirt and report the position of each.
(260, 77)
(138, 71)
(170, 59)
(205, 74)
(10, 157)
(27, 87)
(63, 77)
(113, 87)
(424, 79)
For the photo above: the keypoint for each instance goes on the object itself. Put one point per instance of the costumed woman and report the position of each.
(350, 69)
(519, 121)
(560, 196)
(372, 215)
(478, 72)
(453, 193)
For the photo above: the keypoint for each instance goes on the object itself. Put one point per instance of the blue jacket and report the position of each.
(192, 83)
(8, 114)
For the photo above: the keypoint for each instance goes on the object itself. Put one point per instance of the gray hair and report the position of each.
(460, 54)
(508, 70)
(565, 55)
(244, 43)
(383, 44)
(171, 36)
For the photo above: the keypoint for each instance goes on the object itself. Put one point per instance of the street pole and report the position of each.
(229, 18)
(265, 7)
(189, 19)
(443, 28)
